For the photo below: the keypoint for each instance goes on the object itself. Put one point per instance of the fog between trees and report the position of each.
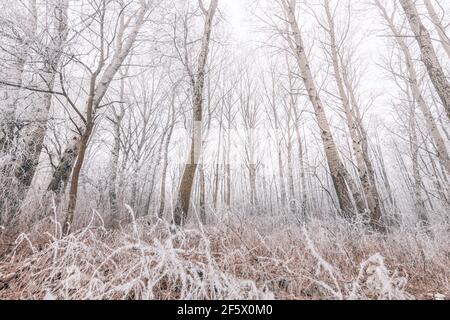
(222, 118)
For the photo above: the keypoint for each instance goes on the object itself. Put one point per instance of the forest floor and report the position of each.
(255, 259)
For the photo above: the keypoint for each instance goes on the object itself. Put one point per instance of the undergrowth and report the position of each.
(231, 260)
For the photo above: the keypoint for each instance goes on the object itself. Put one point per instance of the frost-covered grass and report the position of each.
(251, 258)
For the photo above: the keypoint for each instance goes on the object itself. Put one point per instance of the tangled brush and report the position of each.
(236, 259)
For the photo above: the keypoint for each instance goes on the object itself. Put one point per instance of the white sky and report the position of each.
(237, 15)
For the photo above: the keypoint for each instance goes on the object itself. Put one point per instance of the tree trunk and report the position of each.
(369, 190)
(62, 172)
(73, 192)
(164, 173)
(417, 180)
(9, 124)
(281, 173)
(217, 166)
(8, 108)
(187, 180)
(97, 90)
(114, 167)
(252, 179)
(202, 195)
(35, 118)
(228, 169)
(385, 178)
(445, 40)
(340, 176)
(290, 169)
(113, 182)
(429, 57)
(416, 92)
(303, 194)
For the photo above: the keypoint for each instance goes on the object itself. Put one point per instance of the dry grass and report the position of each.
(234, 260)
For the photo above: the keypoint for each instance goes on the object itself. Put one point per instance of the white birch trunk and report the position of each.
(34, 118)
(445, 40)
(428, 54)
(340, 176)
(413, 81)
(369, 189)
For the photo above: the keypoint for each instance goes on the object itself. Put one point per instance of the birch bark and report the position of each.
(34, 118)
(428, 54)
(342, 181)
(445, 40)
(370, 192)
(416, 92)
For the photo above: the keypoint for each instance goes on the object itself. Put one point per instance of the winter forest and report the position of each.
(225, 149)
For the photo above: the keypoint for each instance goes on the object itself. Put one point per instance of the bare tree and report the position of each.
(197, 82)
(99, 83)
(35, 120)
(413, 81)
(344, 184)
(354, 126)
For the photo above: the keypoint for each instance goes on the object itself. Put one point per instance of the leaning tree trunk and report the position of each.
(429, 57)
(384, 176)
(439, 177)
(339, 174)
(445, 40)
(369, 192)
(413, 81)
(73, 192)
(364, 141)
